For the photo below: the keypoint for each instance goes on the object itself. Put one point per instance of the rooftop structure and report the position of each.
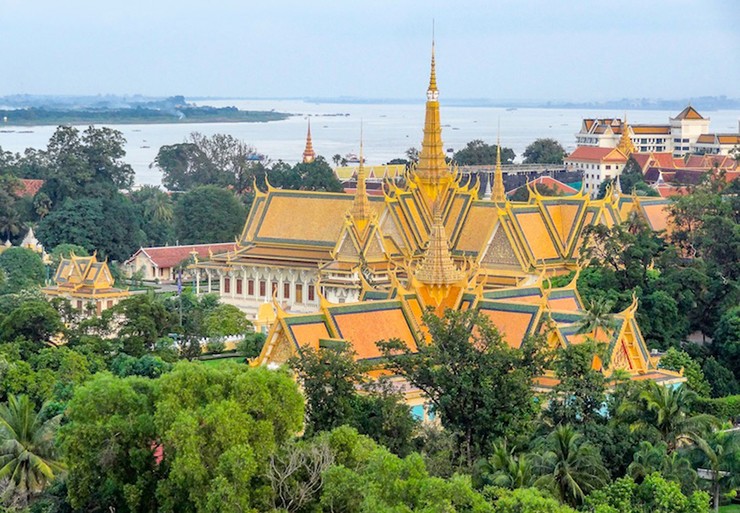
(87, 283)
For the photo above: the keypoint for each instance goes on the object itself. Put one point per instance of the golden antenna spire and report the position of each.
(499, 192)
(626, 146)
(308, 154)
(361, 205)
(432, 171)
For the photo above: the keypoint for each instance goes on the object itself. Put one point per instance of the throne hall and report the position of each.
(362, 268)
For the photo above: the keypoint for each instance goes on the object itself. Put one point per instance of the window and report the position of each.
(109, 304)
(608, 166)
(299, 293)
(239, 286)
(227, 285)
(79, 305)
(263, 288)
(286, 290)
(274, 289)
(250, 287)
(311, 293)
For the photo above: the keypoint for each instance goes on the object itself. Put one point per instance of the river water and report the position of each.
(388, 129)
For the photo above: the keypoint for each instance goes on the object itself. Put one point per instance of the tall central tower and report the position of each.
(432, 174)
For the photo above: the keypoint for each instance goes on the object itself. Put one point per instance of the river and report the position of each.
(389, 129)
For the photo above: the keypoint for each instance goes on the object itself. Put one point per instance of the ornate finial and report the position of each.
(437, 267)
(499, 192)
(626, 146)
(432, 92)
(308, 154)
(361, 206)
(432, 173)
(487, 189)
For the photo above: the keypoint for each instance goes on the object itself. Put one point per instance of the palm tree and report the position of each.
(672, 418)
(651, 458)
(717, 454)
(10, 223)
(598, 317)
(27, 456)
(569, 468)
(505, 469)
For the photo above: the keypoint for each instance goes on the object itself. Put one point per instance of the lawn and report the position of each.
(730, 508)
(220, 361)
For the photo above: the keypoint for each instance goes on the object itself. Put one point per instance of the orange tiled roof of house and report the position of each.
(29, 187)
(170, 256)
(596, 154)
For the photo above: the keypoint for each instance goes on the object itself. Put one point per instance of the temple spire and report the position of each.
(437, 269)
(499, 192)
(308, 154)
(432, 170)
(361, 204)
(625, 145)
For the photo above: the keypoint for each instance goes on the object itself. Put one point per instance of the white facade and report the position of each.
(249, 287)
(677, 136)
(596, 165)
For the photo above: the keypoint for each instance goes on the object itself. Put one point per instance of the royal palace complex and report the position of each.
(361, 268)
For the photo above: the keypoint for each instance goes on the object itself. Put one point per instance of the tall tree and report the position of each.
(671, 414)
(479, 153)
(28, 458)
(544, 151)
(208, 214)
(478, 386)
(22, 269)
(569, 467)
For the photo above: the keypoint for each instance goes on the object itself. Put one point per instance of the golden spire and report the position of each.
(308, 154)
(626, 145)
(437, 269)
(361, 205)
(499, 192)
(432, 169)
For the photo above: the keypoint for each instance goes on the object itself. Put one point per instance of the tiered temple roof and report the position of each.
(84, 278)
(516, 312)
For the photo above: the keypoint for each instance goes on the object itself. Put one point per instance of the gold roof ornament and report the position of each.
(432, 172)
(361, 211)
(499, 192)
(437, 267)
(625, 145)
(309, 155)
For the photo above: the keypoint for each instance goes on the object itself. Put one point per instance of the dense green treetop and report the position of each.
(208, 214)
(544, 151)
(22, 269)
(479, 153)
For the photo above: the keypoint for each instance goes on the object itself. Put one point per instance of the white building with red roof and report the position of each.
(677, 137)
(596, 164)
(159, 263)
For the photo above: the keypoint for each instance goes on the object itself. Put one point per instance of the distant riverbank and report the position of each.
(39, 116)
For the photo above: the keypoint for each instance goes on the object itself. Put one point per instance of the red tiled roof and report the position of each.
(29, 187)
(664, 159)
(596, 154)
(642, 159)
(170, 256)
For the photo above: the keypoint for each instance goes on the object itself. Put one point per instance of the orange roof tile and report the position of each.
(29, 187)
(689, 113)
(596, 154)
(363, 329)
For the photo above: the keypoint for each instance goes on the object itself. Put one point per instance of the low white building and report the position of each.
(716, 144)
(159, 263)
(596, 164)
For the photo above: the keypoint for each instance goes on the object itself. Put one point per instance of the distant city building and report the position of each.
(86, 283)
(677, 136)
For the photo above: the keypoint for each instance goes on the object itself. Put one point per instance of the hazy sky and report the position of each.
(510, 49)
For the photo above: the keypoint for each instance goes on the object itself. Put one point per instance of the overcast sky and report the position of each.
(511, 49)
